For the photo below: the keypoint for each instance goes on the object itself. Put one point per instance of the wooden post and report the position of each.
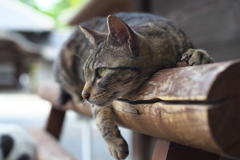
(161, 150)
(55, 122)
(143, 146)
(56, 115)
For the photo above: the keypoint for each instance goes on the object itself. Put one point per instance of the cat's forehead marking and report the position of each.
(88, 65)
(104, 55)
(92, 60)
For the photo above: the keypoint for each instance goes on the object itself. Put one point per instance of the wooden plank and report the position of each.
(185, 105)
(47, 147)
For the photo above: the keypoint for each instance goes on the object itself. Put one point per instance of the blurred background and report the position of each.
(33, 31)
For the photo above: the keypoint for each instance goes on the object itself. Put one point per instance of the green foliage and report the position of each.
(57, 7)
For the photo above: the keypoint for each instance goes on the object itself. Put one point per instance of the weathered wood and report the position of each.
(198, 83)
(194, 106)
(47, 147)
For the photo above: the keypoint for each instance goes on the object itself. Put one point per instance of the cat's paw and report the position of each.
(118, 148)
(196, 57)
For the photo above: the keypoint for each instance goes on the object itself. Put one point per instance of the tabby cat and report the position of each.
(121, 53)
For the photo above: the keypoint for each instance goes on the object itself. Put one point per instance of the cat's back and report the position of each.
(143, 23)
(150, 26)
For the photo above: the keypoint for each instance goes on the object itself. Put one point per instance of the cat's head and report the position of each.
(112, 68)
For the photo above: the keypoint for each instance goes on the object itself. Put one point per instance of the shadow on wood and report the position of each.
(165, 150)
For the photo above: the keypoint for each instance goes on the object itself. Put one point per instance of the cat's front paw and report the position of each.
(118, 148)
(196, 57)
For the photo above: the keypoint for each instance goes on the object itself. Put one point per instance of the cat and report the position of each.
(16, 144)
(121, 53)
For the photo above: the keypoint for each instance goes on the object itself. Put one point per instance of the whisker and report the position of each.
(79, 57)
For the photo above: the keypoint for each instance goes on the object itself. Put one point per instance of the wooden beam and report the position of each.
(98, 8)
(194, 106)
(47, 146)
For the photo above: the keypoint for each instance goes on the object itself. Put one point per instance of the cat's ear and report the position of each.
(119, 30)
(93, 36)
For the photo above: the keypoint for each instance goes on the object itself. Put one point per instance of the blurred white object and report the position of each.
(86, 138)
(17, 16)
(15, 143)
(24, 80)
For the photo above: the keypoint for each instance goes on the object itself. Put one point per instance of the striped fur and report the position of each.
(129, 49)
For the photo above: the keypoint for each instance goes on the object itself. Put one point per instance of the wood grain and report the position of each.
(194, 106)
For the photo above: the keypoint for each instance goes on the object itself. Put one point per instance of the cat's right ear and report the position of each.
(122, 33)
(93, 36)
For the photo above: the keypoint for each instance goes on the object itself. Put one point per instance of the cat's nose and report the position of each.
(85, 95)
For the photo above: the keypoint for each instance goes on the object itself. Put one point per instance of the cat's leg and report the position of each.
(117, 146)
(196, 57)
(63, 97)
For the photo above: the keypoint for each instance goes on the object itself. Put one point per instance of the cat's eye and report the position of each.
(100, 72)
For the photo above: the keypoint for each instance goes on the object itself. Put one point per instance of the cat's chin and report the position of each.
(102, 104)
(107, 102)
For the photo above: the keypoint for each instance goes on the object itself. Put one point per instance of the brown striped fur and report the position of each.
(129, 49)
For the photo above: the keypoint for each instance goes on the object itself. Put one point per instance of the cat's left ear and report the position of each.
(120, 31)
(94, 36)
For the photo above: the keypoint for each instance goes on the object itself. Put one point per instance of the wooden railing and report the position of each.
(195, 106)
